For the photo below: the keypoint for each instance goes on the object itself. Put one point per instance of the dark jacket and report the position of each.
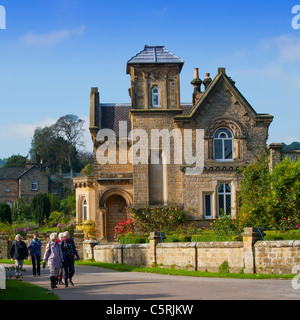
(35, 248)
(18, 251)
(68, 248)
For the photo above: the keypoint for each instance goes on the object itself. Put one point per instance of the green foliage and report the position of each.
(68, 205)
(88, 170)
(54, 202)
(41, 206)
(268, 199)
(5, 213)
(285, 193)
(15, 161)
(224, 268)
(162, 219)
(20, 210)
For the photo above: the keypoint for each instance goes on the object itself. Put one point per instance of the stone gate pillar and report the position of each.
(154, 239)
(250, 236)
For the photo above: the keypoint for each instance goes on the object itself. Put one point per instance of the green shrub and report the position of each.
(41, 207)
(5, 213)
(224, 268)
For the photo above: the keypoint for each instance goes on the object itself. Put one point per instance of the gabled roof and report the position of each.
(26, 171)
(207, 94)
(154, 54)
(10, 173)
(15, 173)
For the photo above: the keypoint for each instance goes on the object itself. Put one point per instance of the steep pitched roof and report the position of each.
(237, 94)
(15, 173)
(154, 54)
(10, 173)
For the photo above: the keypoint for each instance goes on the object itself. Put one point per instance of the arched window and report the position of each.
(84, 210)
(34, 185)
(223, 145)
(224, 198)
(155, 97)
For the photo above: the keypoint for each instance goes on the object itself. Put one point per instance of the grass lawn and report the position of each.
(20, 290)
(176, 272)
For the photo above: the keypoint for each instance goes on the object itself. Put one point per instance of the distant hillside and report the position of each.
(292, 146)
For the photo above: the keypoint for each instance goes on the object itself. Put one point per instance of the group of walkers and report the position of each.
(59, 255)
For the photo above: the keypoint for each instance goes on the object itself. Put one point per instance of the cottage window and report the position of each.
(7, 189)
(224, 198)
(34, 185)
(223, 145)
(155, 97)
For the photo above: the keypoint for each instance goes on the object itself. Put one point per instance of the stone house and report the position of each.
(233, 133)
(22, 183)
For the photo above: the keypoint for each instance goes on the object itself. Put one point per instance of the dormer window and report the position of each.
(223, 145)
(34, 185)
(155, 97)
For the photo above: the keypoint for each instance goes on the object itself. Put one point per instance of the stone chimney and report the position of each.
(207, 81)
(94, 112)
(197, 86)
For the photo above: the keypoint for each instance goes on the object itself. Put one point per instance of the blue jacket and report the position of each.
(35, 248)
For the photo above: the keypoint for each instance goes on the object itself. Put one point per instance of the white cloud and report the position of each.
(51, 38)
(23, 130)
(288, 47)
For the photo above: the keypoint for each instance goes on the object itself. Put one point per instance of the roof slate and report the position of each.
(111, 114)
(155, 54)
(10, 173)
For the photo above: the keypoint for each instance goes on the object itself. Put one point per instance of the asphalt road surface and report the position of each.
(93, 283)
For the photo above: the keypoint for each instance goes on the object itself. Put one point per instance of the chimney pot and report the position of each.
(196, 73)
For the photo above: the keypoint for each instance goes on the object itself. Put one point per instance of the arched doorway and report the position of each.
(115, 212)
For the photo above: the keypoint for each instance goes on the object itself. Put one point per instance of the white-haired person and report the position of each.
(18, 252)
(69, 252)
(54, 256)
(62, 270)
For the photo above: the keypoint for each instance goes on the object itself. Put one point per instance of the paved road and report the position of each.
(101, 284)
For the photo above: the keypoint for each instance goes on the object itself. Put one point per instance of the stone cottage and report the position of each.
(233, 134)
(22, 183)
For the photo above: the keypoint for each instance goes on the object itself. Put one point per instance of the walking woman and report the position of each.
(69, 252)
(62, 270)
(18, 252)
(54, 256)
(35, 252)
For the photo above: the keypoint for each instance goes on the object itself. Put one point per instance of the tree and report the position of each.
(41, 206)
(15, 161)
(268, 197)
(70, 128)
(5, 213)
(47, 149)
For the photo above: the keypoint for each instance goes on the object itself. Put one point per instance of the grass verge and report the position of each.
(177, 272)
(20, 290)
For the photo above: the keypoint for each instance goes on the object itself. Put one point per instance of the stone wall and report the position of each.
(276, 256)
(249, 255)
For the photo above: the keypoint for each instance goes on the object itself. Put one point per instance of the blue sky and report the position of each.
(53, 51)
